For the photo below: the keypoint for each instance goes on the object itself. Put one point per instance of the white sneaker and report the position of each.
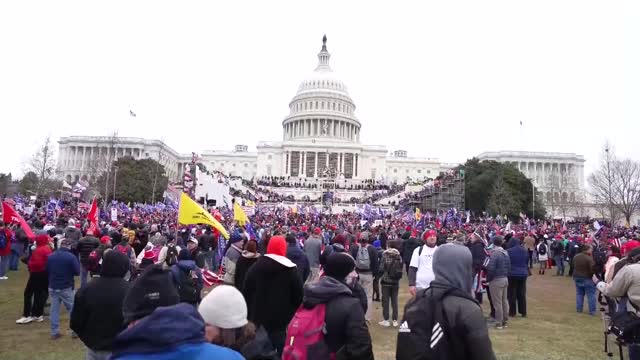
(395, 323)
(384, 323)
(24, 320)
(4, 278)
(38, 319)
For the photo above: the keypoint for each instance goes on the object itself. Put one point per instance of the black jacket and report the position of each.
(347, 332)
(273, 290)
(373, 258)
(408, 245)
(85, 246)
(97, 310)
(478, 254)
(297, 256)
(244, 263)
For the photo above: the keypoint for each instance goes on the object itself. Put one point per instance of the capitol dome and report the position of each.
(322, 107)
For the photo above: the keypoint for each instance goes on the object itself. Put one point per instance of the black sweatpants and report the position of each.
(37, 290)
(376, 288)
(517, 295)
(390, 295)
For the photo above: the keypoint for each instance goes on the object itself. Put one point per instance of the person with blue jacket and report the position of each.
(517, 289)
(497, 276)
(62, 267)
(298, 257)
(188, 278)
(159, 327)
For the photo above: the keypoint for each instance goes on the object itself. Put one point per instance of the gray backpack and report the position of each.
(362, 258)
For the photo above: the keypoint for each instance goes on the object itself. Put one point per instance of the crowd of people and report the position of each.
(146, 283)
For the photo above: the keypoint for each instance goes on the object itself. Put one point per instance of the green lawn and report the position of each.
(553, 330)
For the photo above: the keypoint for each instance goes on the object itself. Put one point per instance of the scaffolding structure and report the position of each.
(449, 194)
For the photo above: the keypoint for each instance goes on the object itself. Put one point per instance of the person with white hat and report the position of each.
(224, 311)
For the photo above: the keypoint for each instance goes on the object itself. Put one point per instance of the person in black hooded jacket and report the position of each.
(97, 310)
(297, 256)
(347, 334)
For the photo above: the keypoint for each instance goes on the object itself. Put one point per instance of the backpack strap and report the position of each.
(420, 250)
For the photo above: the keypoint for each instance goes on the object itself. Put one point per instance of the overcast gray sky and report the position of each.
(444, 79)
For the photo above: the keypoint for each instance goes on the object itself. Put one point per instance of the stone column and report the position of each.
(303, 170)
(284, 164)
(315, 169)
(299, 163)
(75, 158)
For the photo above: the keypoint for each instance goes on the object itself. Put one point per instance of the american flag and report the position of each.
(616, 242)
(210, 278)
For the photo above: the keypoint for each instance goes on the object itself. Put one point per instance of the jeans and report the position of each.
(36, 289)
(4, 265)
(585, 286)
(389, 293)
(84, 275)
(517, 295)
(64, 296)
(366, 281)
(499, 298)
(530, 259)
(14, 260)
(559, 265)
(97, 355)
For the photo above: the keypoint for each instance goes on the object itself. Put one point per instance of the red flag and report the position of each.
(92, 217)
(10, 216)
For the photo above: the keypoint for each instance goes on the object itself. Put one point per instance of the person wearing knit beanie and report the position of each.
(151, 290)
(339, 265)
(224, 308)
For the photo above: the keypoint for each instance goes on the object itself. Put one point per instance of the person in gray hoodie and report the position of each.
(312, 249)
(497, 277)
(467, 334)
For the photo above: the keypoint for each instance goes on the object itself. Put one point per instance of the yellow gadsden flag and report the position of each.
(190, 212)
(239, 215)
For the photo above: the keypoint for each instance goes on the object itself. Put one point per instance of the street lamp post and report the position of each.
(115, 180)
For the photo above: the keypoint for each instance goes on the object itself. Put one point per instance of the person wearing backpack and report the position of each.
(330, 304)
(444, 321)
(409, 244)
(169, 254)
(122, 246)
(421, 267)
(557, 252)
(187, 278)
(366, 263)
(86, 245)
(543, 255)
(390, 279)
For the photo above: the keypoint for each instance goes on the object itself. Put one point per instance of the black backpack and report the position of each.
(172, 255)
(425, 332)
(187, 288)
(542, 249)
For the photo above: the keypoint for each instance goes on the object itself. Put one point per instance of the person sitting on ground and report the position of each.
(224, 311)
(449, 295)
(97, 310)
(347, 334)
(160, 327)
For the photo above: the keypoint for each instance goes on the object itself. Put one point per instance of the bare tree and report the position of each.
(580, 206)
(617, 183)
(43, 163)
(108, 160)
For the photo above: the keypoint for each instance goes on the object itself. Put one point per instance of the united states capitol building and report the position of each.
(320, 139)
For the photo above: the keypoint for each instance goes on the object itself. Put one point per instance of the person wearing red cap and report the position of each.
(421, 266)
(273, 291)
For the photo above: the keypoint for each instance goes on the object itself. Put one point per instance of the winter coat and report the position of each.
(85, 246)
(243, 265)
(478, 254)
(388, 257)
(38, 259)
(557, 249)
(408, 245)
(583, 266)
(298, 257)
(625, 284)
(97, 309)
(373, 258)
(229, 263)
(72, 234)
(328, 250)
(312, 249)
(518, 259)
(160, 336)
(529, 243)
(347, 333)
(499, 264)
(273, 290)
(187, 266)
(545, 256)
(62, 266)
(6, 250)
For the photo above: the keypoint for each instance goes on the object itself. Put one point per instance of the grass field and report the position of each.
(552, 330)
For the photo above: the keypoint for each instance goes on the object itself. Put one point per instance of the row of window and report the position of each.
(419, 171)
(325, 84)
(320, 105)
(222, 164)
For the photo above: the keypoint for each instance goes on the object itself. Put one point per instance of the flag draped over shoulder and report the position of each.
(92, 217)
(9, 215)
(190, 212)
(239, 215)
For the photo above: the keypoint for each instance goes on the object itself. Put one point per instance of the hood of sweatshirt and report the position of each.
(160, 332)
(452, 265)
(323, 290)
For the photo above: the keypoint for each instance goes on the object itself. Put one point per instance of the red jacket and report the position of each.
(38, 260)
(5, 251)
